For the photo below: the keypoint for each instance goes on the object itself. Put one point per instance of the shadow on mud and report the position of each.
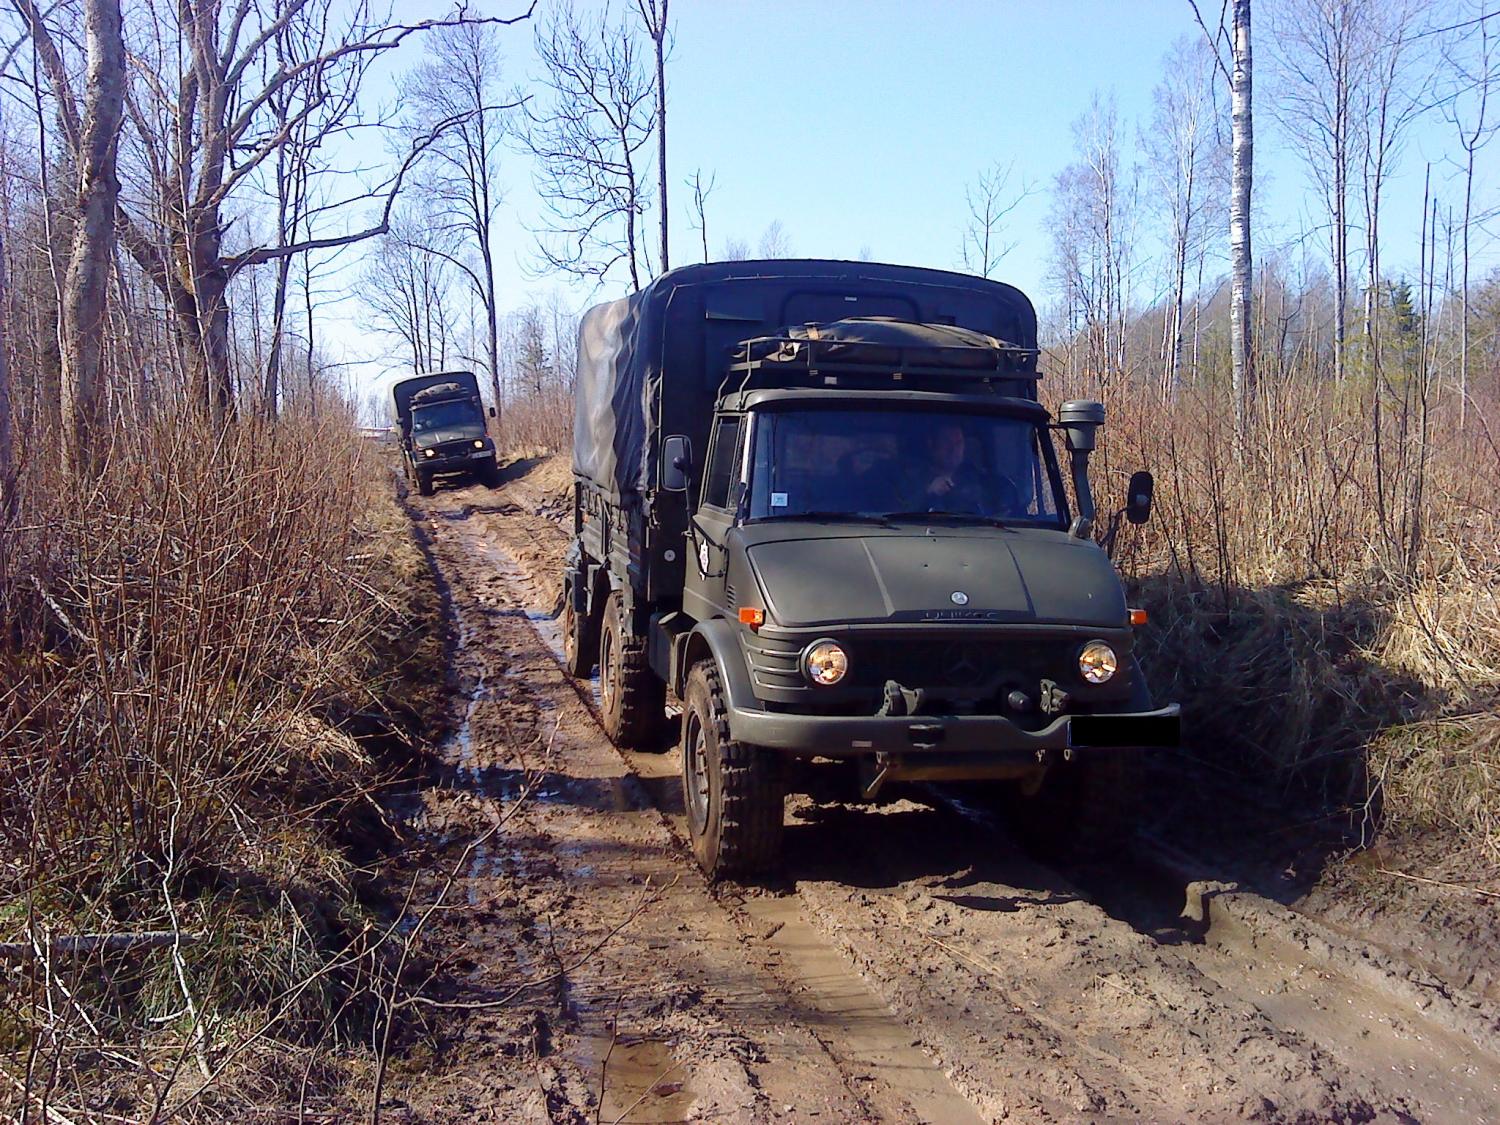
(1281, 700)
(918, 838)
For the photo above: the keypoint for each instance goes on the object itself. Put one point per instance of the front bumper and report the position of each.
(455, 463)
(984, 739)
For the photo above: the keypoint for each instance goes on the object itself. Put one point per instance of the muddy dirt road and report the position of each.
(914, 964)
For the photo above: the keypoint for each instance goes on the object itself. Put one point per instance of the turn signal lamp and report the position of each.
(1138, 617)
(754, 618)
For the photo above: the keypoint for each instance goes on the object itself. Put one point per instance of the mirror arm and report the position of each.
(1114, 529)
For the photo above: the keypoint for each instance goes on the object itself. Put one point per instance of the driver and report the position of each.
(948, 482)
(945, 480)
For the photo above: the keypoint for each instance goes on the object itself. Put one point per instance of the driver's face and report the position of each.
(947, 446)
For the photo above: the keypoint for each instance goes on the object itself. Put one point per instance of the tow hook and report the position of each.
(872, 776)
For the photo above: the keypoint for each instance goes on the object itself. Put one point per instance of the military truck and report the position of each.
(820, 504)
(440, 421)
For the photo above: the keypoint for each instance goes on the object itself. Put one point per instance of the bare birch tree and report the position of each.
(653, 15)
(1180, 149)
(1389, 99)
(990, 200)
(461, 176)
(1235, 41)
(701, 192)
(1091, 218)
(92, 138)
(774, 241)
(1473, 62)
(406, 288)
(587, 136)
(8, 499)
(1323, 48)
(293, 170)
(201, 123)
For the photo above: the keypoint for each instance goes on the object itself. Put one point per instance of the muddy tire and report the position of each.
(733, 792)
(424, 483)
(489, 476)
(580, 640)
(633, 700)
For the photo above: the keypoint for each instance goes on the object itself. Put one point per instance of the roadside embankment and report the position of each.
(216, 653)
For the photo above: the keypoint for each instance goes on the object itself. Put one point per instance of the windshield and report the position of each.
(444, 416)
(887, 462)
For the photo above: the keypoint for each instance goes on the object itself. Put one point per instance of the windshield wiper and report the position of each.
(996, 521)
(842, 517)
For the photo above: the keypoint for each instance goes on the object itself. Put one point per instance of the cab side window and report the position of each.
(723, 464)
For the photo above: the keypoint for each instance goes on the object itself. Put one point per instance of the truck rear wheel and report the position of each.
(633, 699)
(580, 639)
(733, 792)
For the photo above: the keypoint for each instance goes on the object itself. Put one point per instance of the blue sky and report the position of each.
(857, 125)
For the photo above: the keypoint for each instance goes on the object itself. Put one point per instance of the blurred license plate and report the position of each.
(480, 453)
(1124, 730)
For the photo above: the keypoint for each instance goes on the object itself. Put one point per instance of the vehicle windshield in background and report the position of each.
(885, 462)
(443, 416)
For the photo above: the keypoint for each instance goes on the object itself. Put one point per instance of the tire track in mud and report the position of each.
(684, 1014)
(1070, 994)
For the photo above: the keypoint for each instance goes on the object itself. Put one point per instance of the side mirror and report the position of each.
(1138, 500)
(492, 412)
(676, 463)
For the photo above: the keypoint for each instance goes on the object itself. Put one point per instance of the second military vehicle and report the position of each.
(820, 504)
(441, 424)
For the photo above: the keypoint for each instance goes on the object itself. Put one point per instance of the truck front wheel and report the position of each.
(633, 699)
(733, 792)
(424, 483)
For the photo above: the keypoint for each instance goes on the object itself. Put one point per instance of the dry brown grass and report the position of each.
(1325, 592)
(185, 642)
(541, 422)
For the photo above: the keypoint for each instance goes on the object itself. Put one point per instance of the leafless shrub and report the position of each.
(179, 647)
(1304, 624)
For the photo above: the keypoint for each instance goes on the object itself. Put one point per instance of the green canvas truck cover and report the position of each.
(654, 363)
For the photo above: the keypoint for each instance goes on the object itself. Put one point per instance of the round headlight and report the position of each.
(1097, 662)
(825, 663)
(478, 444)
(429, 453)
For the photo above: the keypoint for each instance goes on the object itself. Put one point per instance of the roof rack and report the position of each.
(887, 362)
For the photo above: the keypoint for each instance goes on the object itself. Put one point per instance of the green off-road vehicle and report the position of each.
(820, 505)
(441, 422)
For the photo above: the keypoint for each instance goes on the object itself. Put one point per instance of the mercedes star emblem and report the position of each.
(960, 598)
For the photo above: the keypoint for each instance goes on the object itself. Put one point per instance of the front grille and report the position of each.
(966, 674)
(967, 669)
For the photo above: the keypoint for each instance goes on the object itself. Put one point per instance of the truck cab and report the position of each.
(878, 562)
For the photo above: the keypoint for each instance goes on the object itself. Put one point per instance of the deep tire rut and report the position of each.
(918, 941)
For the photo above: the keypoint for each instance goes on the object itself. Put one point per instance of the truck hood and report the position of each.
(428, 438)
(998, 575)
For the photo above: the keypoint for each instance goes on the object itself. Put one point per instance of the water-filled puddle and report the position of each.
(642, 1082)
